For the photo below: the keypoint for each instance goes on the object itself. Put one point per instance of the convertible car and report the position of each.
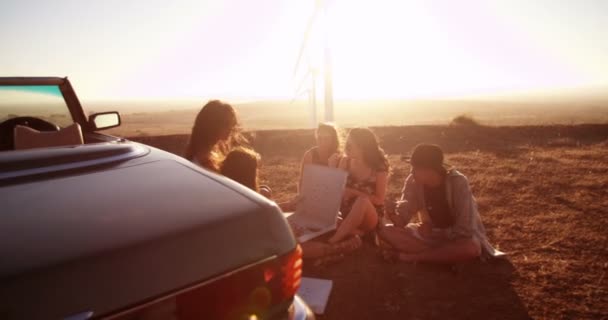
(96, 226)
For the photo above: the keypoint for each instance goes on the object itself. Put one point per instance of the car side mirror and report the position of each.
(104, 120)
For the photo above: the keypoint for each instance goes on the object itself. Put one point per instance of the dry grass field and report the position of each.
(543, 196)
(149, 118)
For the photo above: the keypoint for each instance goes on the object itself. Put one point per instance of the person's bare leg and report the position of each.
(314, 249)
(370, 220)
(455, 251)
(362, 217)
(402, 239)
(317, 249)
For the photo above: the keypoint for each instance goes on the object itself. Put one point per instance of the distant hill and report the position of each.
(176, 117)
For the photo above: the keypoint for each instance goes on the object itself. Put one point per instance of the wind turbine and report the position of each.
(311, 91)
(320, 11)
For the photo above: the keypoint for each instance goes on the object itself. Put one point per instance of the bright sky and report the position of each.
(244, 49)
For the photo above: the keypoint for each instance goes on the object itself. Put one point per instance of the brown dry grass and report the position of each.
(543, 195)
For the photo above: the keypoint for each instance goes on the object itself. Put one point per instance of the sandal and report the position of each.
(336, 252)
(346, 246)
(327, 260)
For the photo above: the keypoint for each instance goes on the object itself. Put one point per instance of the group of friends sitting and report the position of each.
(448, 228)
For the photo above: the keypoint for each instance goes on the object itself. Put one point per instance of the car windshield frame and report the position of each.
(67, 92)
(39, 101)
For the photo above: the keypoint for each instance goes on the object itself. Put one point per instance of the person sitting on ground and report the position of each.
(450, 228)
(327, 151)
(363, 201)
(241, 165)
(214, 133)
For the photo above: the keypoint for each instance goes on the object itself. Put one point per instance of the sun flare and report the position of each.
(394, 49)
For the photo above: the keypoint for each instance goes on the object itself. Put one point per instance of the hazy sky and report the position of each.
(244, 49)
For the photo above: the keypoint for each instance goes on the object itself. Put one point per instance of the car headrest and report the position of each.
(28, 138)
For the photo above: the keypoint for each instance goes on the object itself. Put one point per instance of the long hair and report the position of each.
(330, 129)
(214, 120)
(373, 155)
(241, 165)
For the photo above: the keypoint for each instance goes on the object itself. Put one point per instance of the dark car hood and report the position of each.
(102, 238)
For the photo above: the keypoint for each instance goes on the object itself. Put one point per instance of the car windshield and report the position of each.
(41, 101)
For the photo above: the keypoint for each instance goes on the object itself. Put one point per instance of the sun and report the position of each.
(401, 49)
(375, 51)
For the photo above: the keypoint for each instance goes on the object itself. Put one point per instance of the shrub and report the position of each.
(464, 120)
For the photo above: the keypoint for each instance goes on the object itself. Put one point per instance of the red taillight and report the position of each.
(283, 276)
(251, 291)
(292, 273)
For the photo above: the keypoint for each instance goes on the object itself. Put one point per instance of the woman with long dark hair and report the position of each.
(363, 200)
(214, 133)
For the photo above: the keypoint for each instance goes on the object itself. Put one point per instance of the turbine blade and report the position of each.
(304, 44)
(304, 80)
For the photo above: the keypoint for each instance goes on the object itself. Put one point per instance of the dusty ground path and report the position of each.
(547, 207)
(365, 287)
(543, 196)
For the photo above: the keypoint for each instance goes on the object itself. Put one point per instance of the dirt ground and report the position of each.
(543, 196)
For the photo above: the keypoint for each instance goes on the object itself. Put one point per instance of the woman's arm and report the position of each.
(409, 205)
(381, 183)
(307, 159)
(343, 163)
(334, 160)
(380, 193)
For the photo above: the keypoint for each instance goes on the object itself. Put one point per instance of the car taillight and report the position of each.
(249, 293)
(291, 271)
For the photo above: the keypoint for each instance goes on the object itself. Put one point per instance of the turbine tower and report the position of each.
(319, 13)
(329, 93)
